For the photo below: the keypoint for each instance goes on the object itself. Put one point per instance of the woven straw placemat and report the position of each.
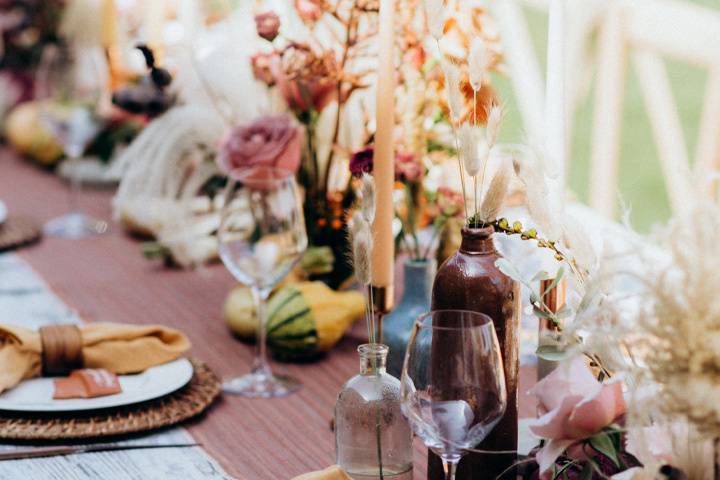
(174, 408)
(16, 232)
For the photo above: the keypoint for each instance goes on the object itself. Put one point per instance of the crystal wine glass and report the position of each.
(453, 385)
(262, 236)
(70, 81)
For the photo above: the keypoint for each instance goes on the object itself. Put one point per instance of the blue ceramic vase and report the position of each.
(397, 326)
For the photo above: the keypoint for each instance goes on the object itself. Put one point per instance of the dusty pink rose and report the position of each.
(271, 141)
(267, 25)
(573, 406)
(450, 202)
(309, 10)
(407, 167)
(302, 95)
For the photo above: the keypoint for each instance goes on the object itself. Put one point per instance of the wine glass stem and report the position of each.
(75, 184)
(260, 364)
(450, 466)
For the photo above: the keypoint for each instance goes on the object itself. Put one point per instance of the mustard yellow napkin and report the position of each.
(330, 473)
(116, 347)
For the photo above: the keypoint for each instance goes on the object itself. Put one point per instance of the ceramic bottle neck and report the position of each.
(478, 241)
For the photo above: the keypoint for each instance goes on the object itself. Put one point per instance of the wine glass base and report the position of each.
(256, 385)
(74, 226)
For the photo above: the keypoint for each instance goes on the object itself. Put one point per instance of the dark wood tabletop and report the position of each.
(107, 279)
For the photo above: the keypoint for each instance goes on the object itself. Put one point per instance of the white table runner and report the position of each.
(26, 300)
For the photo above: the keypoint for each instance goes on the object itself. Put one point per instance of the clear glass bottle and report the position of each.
(373, 440)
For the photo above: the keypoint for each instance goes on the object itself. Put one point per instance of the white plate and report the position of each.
(3, 212)
(35, 395)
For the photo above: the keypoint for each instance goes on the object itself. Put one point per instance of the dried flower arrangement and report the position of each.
(663, 337)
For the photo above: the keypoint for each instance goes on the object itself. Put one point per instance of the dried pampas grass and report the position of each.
(361, 237)
(478, 61)
(368, 198)
(452, 90)
(495, 118)
(435, 18)
(473, 150)
(679, 340)
(495, 196)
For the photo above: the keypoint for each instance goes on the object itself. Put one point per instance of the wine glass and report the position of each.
(261, 238)
(70, 83)
(453, 384)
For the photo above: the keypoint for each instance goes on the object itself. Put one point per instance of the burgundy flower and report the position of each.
(309, 10)
(407, 168)
(268, 25)
(271, 141)
(362, 161)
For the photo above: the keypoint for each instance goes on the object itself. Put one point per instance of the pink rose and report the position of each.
(268, 25)
(573, 406)
(271, 141)
(302, 95)
(309, 10)
(407, 167)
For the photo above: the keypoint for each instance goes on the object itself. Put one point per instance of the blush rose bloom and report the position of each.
(270, 141)
(573, 406)
(309, 10)
(267, 25)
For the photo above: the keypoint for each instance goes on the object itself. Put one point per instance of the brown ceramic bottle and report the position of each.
(469, 280)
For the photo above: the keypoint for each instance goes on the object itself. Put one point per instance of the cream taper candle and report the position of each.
(384, 157)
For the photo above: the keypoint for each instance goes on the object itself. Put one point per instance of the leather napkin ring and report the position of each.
(61, 349)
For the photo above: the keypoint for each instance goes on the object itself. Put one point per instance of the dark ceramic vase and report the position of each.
(398, 325)
(469, 280)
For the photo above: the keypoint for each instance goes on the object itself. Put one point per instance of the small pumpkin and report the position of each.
(25, 132)
(304, 319)
(309, 318)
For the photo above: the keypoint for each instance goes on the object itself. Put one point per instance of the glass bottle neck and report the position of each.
(373, 358)
(478, 240)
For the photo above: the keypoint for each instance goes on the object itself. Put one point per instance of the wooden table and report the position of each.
(106, 278)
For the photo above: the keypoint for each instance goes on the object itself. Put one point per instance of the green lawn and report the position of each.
(641, 181)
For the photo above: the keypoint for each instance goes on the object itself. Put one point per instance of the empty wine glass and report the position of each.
(261, 237)
(453, 386)
(70, 81)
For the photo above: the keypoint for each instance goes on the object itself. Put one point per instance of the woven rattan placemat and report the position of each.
(17, 232)
(174, 408)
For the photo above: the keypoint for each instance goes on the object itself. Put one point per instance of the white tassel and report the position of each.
(435, 18)
(495, 118)
(477, 63)
(452, 90)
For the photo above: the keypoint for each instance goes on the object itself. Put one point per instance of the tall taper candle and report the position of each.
(555, 101)
(384, 157)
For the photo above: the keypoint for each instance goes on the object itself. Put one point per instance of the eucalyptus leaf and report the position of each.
(604, 444)
(564, 312)
(508, 269)
(541, 275)
(555, 282)
(539, 313)
(552, 353)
